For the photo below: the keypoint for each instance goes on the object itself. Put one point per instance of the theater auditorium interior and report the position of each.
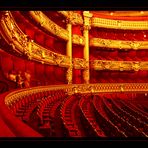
(74, 74)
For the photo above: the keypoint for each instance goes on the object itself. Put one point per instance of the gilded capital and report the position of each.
(87, 27)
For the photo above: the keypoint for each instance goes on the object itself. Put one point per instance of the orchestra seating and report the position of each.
(55, 113)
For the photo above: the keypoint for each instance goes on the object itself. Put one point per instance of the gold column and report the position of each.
(69, 53)
(86, 27)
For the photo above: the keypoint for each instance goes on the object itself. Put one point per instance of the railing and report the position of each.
(16, 127)
(79, 88)
(118, 44)
(119, 65)
(20, 43)
(53, 28)
(9, 98)
(119, 24)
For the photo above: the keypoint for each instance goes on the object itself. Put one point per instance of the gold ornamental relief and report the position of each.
(79, 63)
(119, 44)
(79, 88)
(119, 24)
(119, 65)
(86, 75)
(74, 17)
(77, 39)
(49, 25)
(136, 66)
(69, 75)
(22, 45)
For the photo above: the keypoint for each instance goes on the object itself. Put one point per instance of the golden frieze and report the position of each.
(49, 25)
(21, 44)
(119, 24)
(119, 65)
(119, 44)
(73, 17)
(79, 63)
(15, 96)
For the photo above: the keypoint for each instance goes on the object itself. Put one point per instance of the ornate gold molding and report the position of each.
(79, 63)
(73, 17)
(49, 25)
(86, 75)
(77, 39)
(69, 75)
(54, 28)
(14, 36)
(119, 44)
(119, 65)
(119, 24)
(79, 88)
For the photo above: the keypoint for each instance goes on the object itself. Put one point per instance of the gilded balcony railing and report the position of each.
(74, 17)
(20, 43)
(118, 44)
(55, 29)
(119, 24)
(119, 65)
(79, 88)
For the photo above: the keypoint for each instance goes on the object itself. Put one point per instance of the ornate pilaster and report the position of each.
(86, 29)
(69, 75)
(69, 52)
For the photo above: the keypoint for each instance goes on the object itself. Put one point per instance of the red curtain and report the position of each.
(76, 29)
(77, 76)
(77, 51)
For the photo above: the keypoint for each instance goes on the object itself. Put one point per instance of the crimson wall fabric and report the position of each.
(76, 29)
(106, 76)
(41, 74)
(77, 51)
(39, 36)
(8, 66)
(39, 71)
(18, 63)
(59, 75)
(77, 76)
(118, 55)
(118, 34)
(30, 67)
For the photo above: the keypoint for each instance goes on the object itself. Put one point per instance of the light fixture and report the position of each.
(141, 12)
(111, 13)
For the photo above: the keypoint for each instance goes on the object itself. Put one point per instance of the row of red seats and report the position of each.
(12, 126)
(112, 129)
(88, 113)
(127, 116)
(115, 117)
(68, 117)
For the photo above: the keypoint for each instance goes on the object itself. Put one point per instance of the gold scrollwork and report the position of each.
(22, 45)
(69, 74)
(79, 63)
(86, 75)
(49, 25)
(77, 39)
(136, 66)
(14, 96)
(119, 24)
(73, 17)
(119, 44)
(118, 65)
